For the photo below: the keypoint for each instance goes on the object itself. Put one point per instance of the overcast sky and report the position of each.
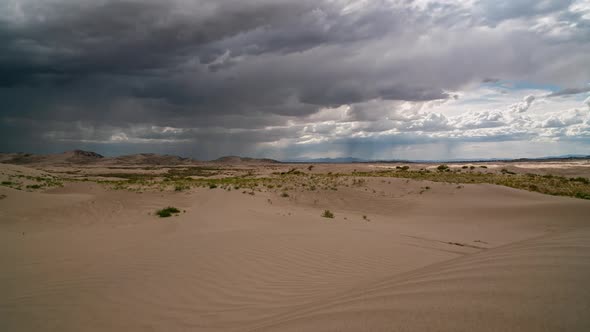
(293, 79)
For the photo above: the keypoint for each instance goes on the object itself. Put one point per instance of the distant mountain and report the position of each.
(69, 157)
(244, 160)
(81, 157)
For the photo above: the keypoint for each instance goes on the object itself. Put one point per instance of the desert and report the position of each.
(295, 165)
(259, 245)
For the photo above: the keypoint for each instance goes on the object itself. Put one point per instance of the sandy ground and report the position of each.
(475, 258)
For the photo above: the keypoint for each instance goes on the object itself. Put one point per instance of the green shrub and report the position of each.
(442, 168)
(328, 214)
(167, 212)
(180, 187)
(284, 194)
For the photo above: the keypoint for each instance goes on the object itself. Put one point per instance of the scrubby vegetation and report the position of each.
(328, 214)
(283, 182)
(546, 184)
(20, 181)
(167, 212)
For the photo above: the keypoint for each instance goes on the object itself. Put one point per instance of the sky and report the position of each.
(383, 79)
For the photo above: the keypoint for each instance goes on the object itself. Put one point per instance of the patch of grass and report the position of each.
(181, 173)
(292, 171)
(34, 186)
(180, 187)
(505, 171)
(167, 212)
(546, 184)
(328, 214)
(580, 179)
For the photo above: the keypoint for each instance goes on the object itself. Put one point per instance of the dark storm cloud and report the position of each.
(569, 91)
(101, 71)
(82, 38)
(495, 11)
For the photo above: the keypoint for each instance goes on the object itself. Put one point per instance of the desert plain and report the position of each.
(257, 245)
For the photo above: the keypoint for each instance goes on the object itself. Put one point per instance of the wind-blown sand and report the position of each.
(479, 258)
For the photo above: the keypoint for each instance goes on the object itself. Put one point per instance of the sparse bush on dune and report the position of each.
(180, 187)
(167, 212)
(328, 214)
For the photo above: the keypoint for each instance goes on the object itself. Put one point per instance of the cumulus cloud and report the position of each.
(523, 106)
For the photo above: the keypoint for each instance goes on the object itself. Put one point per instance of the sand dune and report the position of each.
(534, 285)
(83, 257)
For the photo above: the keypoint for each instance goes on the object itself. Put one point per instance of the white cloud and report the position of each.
(523, 106)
